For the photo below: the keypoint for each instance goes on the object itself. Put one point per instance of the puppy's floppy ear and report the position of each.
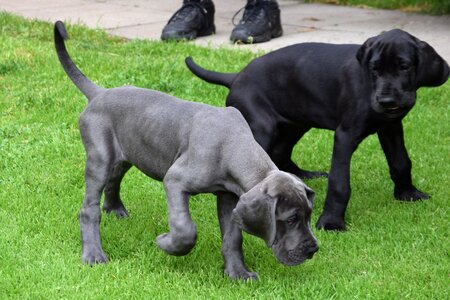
(365, 51)
(432, 69)
(310, 194)
(255, 214)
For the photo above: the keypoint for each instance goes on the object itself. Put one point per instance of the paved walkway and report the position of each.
(301, 22)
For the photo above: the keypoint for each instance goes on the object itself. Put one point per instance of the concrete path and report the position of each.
(302, 22)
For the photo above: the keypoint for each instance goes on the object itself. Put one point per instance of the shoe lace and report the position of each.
(251, 12)
(184, 10)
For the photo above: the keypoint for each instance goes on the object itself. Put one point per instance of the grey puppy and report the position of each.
(192, 148)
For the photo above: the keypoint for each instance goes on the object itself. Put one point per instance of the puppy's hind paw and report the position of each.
(120, 212)
(411, 194)
(313, 174)
(115, 205)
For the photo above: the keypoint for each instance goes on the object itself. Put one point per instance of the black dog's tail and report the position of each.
(225, 79)
(87, 87)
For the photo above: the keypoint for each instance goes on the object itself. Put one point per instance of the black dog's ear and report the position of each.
(432, 69)
(255, 214)
(361, 52)
(364, 51)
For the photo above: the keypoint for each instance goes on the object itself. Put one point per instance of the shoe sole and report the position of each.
(208, 31)
(267, 36)
(192, 35)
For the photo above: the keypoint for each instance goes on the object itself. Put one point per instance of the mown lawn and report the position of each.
(392, 250)
(435, 7)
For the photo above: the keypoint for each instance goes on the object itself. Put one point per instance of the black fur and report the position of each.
(355, 90)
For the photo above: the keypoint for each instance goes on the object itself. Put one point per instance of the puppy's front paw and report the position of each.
(329, 221)
(411, 194)
(241, 274)
(94, 256)
(177, 247)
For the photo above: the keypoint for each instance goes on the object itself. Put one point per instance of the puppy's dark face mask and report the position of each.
(397, 65)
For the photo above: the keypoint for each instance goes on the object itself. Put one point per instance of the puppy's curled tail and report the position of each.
(225, 79)
(87, 87)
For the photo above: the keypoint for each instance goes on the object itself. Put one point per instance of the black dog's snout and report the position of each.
(387, 101)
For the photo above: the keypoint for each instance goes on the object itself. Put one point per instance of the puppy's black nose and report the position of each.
(311, 250)
(387, 102)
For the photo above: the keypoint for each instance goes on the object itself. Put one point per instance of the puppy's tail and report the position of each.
(225, 79)
(87, 87)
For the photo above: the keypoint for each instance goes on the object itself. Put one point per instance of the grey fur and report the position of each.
(192, 148)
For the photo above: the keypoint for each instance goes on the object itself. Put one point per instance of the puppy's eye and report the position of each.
(292, 220)
(405, 67)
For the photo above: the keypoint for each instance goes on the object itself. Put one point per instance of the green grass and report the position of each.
(435, 7)
(392, 250)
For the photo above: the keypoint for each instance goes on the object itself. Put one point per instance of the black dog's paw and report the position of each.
(94, 256)
(304, 174)
(312, 174)
(240, 273)
(411, 194)
(330, 222)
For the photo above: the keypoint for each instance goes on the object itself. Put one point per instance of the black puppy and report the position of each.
(355, 90)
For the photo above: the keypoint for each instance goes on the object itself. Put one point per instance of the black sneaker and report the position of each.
(260, 22)
(195, 18)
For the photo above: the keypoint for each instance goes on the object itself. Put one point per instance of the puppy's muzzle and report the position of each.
(299, 254)
(388, 103)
